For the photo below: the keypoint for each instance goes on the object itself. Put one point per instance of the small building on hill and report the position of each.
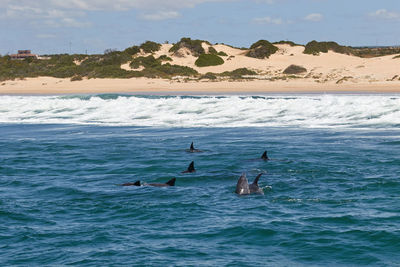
(22, 54)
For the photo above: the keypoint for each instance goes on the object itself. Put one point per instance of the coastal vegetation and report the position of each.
(209, 76)
(146, 47)
(206, 60)
(145, 60)
(294, 69)
(315, 48)
(133, 50)
(194, 46)
(150, 47)
(288, 43)
(211, 50)
(368, 52)
(107, 65)
(154, 68)
(238, 73)
(261, 49)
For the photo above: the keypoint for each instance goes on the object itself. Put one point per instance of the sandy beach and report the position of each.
(328, 72)
(48, 85)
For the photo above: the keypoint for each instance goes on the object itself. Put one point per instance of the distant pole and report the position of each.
(70, 50)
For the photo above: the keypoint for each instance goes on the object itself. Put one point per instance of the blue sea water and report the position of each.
(331, 191)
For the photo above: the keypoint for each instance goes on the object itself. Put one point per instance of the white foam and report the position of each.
(376, 111)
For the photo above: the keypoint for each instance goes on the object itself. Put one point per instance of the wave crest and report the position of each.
(365, 111)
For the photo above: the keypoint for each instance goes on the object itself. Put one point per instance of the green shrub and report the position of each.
(314, 48)
(238, 73)
(176, 70)
(398, 56)
(211, 50)
(61, 59)
(147, 62)
(133, 50)
(110, 71)
(368, 52)
(164, 58)
(209, 76)
(287, 42)
(63, 71)
(195, 46)
(115, 58)
(154, 68)
(150, 47)
(206, 60)
(261, 49)
(294, 69)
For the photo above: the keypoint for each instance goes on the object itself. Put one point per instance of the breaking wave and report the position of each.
(308, 111)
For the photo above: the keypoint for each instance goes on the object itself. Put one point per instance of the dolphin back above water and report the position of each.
(264, 156)
(137, 183)
(243, 187)
(192, 149)
(169, 183)
(254, 188)
(191, 168)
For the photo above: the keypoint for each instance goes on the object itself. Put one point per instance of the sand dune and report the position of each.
(326, 67)
(327, 72)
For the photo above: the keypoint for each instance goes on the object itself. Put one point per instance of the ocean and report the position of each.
(331, 189)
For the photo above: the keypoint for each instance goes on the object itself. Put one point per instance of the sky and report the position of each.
(92, 26)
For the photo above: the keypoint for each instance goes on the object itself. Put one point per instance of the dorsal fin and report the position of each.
(255, 182)
(191, 147)
(264, 155)
(171, 182)
(137, 183)
(191, 167)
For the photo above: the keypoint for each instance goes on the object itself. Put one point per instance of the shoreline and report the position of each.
(145, 86)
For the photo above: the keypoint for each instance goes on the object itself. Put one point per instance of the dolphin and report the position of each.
(192, 149)
(137, 183)
(169, 183)
(254, 188)
(190, 169)
(265, 156)
(243, 187)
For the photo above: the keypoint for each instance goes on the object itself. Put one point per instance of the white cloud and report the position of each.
(71, 22)
(127, 4)
(47, 15)
(161, 15)
(385, 14)
(269, 20)
(314, 17)
(68, 13)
